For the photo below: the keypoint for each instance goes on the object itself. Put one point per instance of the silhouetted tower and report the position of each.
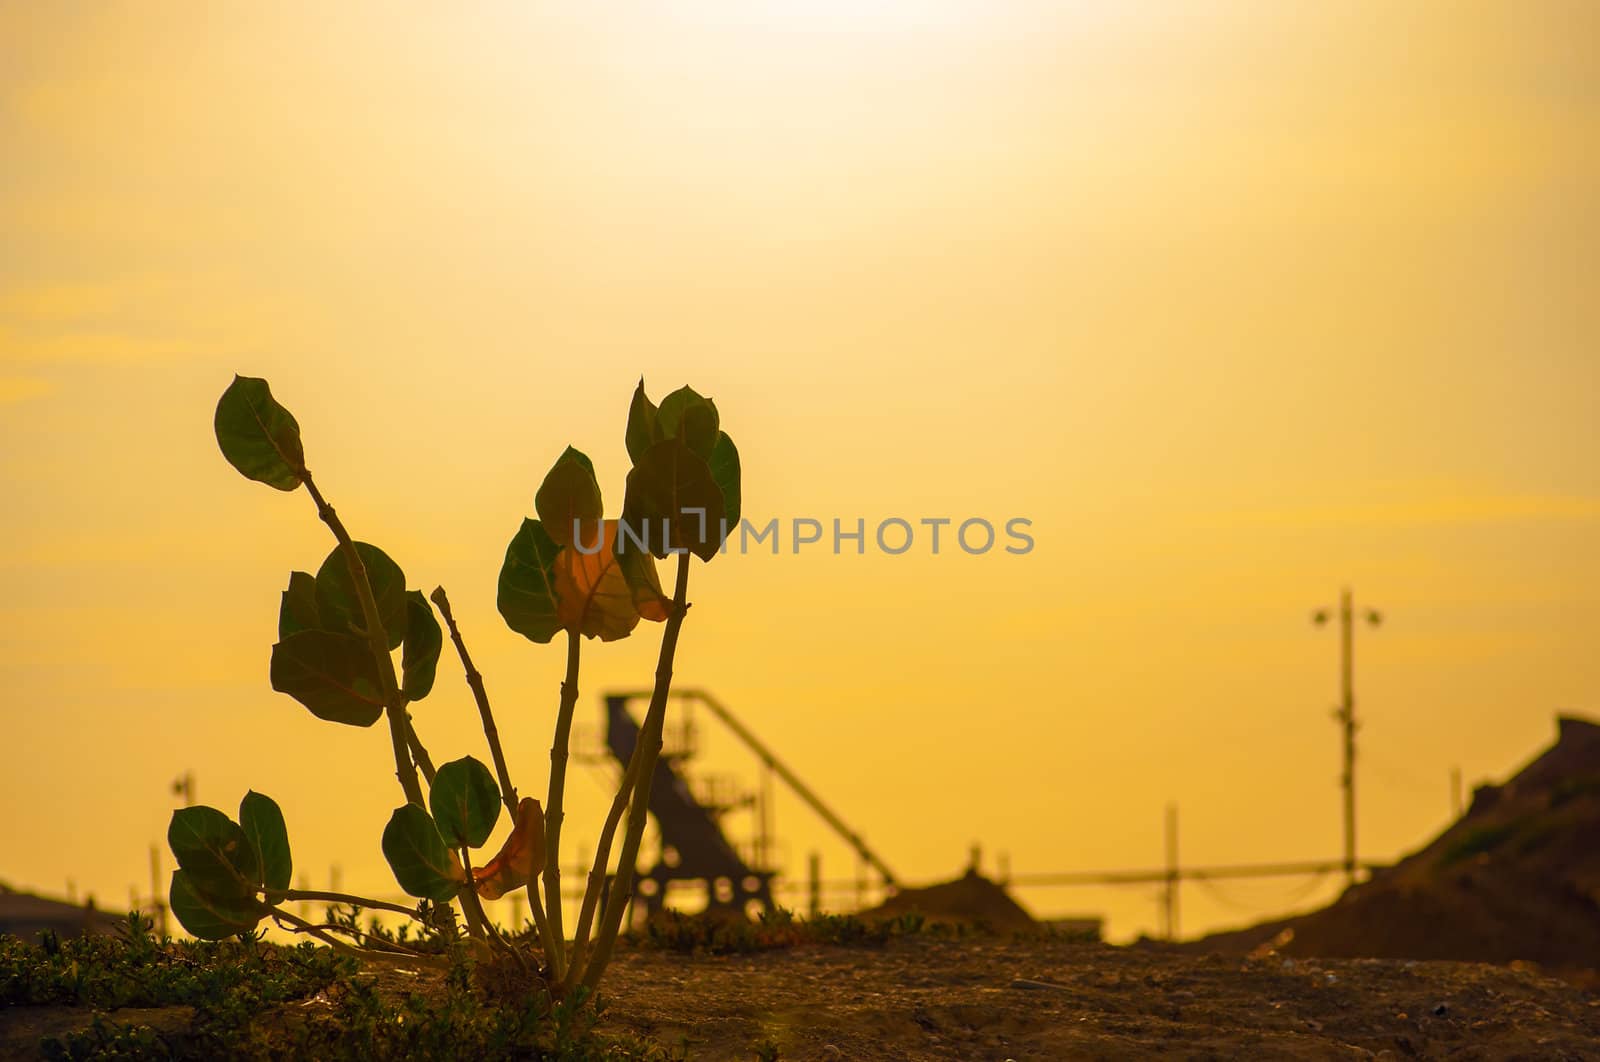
(1345, 714)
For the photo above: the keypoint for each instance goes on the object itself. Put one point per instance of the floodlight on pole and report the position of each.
(1345, 713)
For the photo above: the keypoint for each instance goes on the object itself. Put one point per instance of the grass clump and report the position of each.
(782, 928)
(1478, 841)
(135, 968)
(251, 999)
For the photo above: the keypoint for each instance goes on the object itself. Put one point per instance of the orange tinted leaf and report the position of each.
(594, 598)
(520, 858)
(639, 569)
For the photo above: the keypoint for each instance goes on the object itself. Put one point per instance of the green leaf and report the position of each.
(424, 639)
(334, 675)
(340, 608)
(686, 415)
(417, 854)
(262, 822)
(667, 483)
(215, 852)
(725, 471)
(643, 429)
(527, 597)
(298, 610)
(465, 802)
(569, 496)
(259, 437)
(211, 917)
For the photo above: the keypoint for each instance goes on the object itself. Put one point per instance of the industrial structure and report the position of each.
(689, 812)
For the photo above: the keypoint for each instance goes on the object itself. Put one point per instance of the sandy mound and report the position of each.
(1516, 878)
(971, 899)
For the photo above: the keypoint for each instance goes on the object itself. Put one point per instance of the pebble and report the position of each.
(1038, 986)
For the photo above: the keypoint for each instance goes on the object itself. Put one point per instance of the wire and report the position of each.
(1288, 899)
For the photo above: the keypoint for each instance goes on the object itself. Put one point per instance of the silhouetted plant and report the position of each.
(570, 571)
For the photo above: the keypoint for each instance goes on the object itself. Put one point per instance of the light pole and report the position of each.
(1345, 714)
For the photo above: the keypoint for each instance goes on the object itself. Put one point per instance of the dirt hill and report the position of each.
(971, 899)
(1515, 878)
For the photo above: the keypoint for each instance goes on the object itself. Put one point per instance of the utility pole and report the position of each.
(1345, 714)
(156, 901)
(1170, 898)
(182, 786)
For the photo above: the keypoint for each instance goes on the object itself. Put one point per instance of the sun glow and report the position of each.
(838, 14)
(1234, 301)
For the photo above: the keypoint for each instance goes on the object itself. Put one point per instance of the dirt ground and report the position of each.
(976, 998)
(922, 998)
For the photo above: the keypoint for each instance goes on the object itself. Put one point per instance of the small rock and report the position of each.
(1441, 1010)
(1038, 986)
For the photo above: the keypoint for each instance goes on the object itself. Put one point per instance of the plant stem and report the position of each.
(306, 927)
(419, 753)
(474, 908)
(597, 872)
(638, 811)
(471, 912)
(508, 792)
(368, 941)
(285, 895)
(555, 944)
(378, 641)
(539, 922)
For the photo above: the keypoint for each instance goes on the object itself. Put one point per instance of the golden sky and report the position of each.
(1236, 302)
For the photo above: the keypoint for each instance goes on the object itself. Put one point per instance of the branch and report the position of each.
(368, 941)
(475, 680)
(597, 871)
(419, 753)
(639, 809)
(539, 922)
(284, 895)
(281, 916)
(386, 947)
(378, 642)
(555, 942)
(474, 908)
